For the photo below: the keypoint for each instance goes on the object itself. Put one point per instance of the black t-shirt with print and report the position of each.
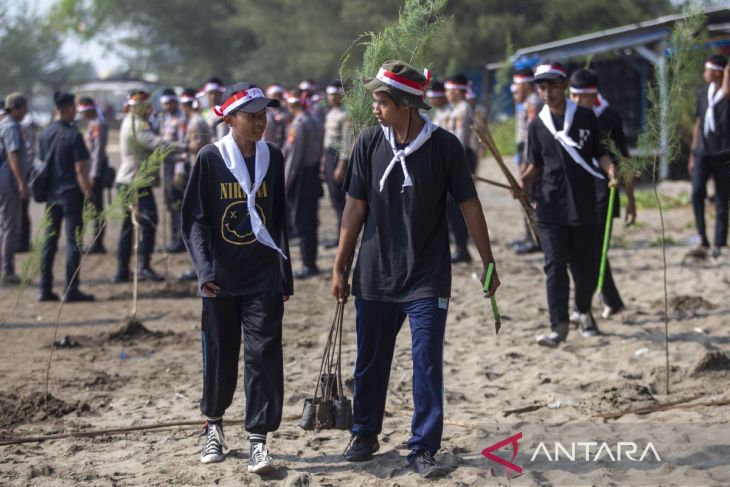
(217, 229)
(404, 252)
(565, 193)
(718, 141)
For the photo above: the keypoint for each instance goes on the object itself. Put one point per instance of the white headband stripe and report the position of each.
(450, 85)
(519, 79)
(334, 90)
(713, 66)
(213, 87)
(549, 69)
(580, 91)
(434, 94)
(168, 98)
(397, 84)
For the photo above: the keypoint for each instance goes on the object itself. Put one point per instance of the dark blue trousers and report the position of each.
(67, 208)
(377, 326)
(717, 167)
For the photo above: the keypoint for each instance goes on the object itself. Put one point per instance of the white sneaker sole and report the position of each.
(545, 341)
(211, 458)
(261, 468)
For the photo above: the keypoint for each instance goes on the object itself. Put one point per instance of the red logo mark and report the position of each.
(512, 440)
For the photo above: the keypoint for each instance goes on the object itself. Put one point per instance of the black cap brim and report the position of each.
(546, 77)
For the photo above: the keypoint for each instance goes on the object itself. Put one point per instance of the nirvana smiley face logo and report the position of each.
(236, 224)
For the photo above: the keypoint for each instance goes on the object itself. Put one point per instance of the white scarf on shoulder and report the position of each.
(237, 165)
(564, 139)
(400, 155)
(714, 95)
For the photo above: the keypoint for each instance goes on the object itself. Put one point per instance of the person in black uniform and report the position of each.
(68, 187)
(710, 156)
(562, 143)
(584, 92)
(234, 228)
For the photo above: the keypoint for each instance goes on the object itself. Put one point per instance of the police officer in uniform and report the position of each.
(173, 133)
(303, 152)
(337, 144)
(459, 123)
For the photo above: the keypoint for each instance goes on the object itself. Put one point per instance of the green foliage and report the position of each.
(682, 70)
(646, 200)
(503, 133)
(408, 40)
(290, 40)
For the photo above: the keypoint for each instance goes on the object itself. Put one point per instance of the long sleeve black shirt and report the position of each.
(217, 229)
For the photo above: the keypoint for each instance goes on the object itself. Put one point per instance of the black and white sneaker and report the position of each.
(259, 460)
(215, 441)
(588, 327)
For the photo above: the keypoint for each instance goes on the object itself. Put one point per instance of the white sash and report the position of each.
(714, 95)
(400, 155)
(237, 165)
(564, 139)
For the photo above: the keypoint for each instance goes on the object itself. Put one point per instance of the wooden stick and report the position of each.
(662, 407)
(117, 431)
(485, 138)
(492, 182)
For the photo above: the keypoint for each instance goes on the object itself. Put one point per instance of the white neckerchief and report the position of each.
(237, 165)
(400, 155)
(714, 95)
(563, 138)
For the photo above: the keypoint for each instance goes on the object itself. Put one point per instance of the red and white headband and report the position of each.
(187, 99)
(86, 108)
(237, 100)
(712, 66)
(551, 69)
(213, 87)
(334, 90)
(404, 84)
(305, 86)
(167, 99)
(522, 78)
(584, 90)
(450, 85)
(435, 94)
(275, 89)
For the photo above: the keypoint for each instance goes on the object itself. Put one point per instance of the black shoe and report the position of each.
(426, 465)
(147, 274)
(121, 278)
(189, 275)
(77, 296)
(527, 248)
(306, 272)
(330, 244)
(361, 448)
(48, 296)
(461, 255)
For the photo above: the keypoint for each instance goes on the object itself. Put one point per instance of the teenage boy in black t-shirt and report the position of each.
(710, 156)
(397, 182)
(234, 227)
(563, 141)
(584, 92)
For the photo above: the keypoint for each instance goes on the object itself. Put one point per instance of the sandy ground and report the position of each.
(495, 385)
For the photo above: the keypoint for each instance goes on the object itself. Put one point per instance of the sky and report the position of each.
(74, 48)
